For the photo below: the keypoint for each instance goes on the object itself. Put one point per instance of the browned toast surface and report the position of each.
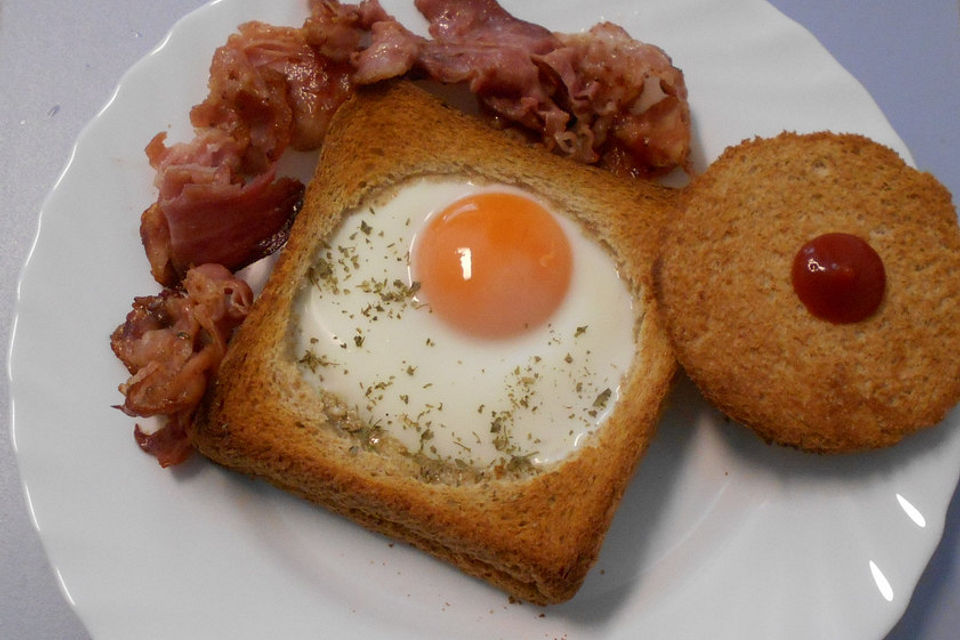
(535, 535)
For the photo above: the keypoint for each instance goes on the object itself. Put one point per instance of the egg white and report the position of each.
(362, 334)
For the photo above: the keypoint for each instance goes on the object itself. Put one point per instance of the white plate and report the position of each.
(719, 536)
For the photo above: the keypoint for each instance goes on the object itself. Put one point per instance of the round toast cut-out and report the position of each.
(723, 278)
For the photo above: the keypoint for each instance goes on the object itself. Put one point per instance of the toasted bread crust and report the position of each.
(536, 537)
(745, 338)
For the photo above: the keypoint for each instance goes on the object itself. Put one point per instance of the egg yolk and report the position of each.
(492, 264)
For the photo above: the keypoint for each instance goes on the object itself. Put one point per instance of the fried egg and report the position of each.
(471, 322)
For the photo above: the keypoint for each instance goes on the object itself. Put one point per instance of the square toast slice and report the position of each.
(534, 534)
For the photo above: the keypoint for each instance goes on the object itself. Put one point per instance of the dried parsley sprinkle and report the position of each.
(580, 331)
(521, 463)
(602, 399)
(397, 291)
(313, 362)
(320, 273)
(368, 435)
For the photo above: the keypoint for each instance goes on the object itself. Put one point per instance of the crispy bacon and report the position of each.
(628, 102)
(206, 213)
(172, 343)
(270, 88)
(170, 445)
(337, 30)
(599, 97)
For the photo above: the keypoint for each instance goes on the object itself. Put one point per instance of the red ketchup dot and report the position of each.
(839, 278)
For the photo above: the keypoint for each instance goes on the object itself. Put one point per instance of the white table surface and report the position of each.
(59, 63)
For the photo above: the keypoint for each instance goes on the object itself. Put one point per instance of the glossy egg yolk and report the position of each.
(492, 264)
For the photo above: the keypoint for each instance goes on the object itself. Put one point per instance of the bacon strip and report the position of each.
(172, 344)
(482, 45)
(599, 97)
(627, 101)
(205, 213)
(392, 52)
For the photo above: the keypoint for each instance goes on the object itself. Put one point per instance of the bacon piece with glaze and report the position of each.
(171, 344)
